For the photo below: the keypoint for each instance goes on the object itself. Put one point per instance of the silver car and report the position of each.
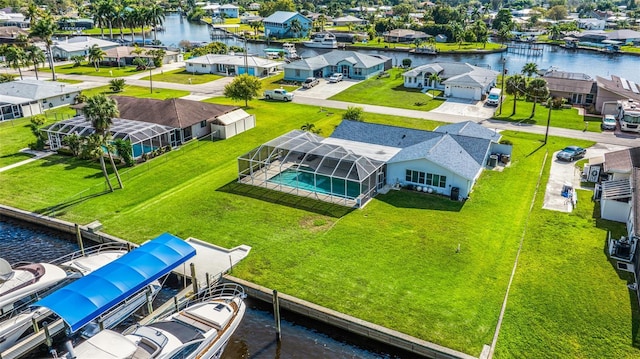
(608, 122)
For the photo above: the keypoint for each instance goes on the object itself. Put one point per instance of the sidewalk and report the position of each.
(37, 155)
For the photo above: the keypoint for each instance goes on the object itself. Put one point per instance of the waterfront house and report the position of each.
(278, 25)
(75, 24)
(610, 91)
(599, 36)
(577, 88)
(348, 20)
(404, 35)
(350, 64)
(591, 24)
(23, 98)
(254, 6)
(230, 65)
(13, 19)
(124, 55)
(229, 11)
(359, 158)
(11, 34)
(460, 80)
(66, 48)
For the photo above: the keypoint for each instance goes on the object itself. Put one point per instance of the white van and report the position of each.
(495, 96)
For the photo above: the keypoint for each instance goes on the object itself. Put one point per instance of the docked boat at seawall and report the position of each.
(323, 40)
(200, 330)
(290, 51)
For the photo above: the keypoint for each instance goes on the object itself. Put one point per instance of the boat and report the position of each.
(200, 330)
(323, 40)
(290, 52)
(428, 50)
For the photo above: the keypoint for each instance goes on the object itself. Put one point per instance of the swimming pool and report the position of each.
(139, 149)
(323, 184)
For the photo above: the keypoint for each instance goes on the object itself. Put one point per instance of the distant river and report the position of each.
(591, 63)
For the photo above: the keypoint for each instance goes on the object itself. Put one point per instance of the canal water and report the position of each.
(591, 63)
(254, 338)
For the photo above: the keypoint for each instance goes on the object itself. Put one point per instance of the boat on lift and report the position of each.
(322, 40)
(200, 330)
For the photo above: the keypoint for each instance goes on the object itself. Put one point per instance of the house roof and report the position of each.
(231, 117)
(128, 51)
(406, 33)
(348, 18)
(234, 60)
(622, 161)
(620, 86)
(391, 136)
(79, 43)
(469, 129)
(280, 17)
(456, 73)
(176, 112)
(11, 31)
(573, 82)
(31, 90)
(357, 59)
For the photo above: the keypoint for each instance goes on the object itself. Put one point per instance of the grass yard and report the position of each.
(276, 82)
(567, 300)
(181, 76)
(137, 91)
(442, 47)
(397, 252)
(388, 91)
(563, 117)
(90, 70)
(69, 81)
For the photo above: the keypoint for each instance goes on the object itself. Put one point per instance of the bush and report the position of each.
(406, 62)
(506, 142)
(354, 113)
(117, 85)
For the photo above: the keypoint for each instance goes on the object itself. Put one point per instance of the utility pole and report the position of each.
(504, 61)
(546, 133)
(150, 80)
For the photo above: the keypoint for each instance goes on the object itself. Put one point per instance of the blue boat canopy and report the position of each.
(86, 298)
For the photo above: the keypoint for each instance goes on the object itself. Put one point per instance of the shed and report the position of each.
(232, 123)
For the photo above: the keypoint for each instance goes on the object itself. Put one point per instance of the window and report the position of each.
(297, 73)
(357, 71)
(203, 123)
(203, 65)
(66, 96)
(428, 179)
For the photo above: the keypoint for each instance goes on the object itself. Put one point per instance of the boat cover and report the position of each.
(88, 297)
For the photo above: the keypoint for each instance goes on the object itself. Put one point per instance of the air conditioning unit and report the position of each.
(627, 267)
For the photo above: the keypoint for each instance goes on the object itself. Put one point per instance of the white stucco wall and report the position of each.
(197, 131)
(235, 128)
(614, 210)
(396, 173)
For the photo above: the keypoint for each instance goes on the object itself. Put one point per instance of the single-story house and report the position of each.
(278, 25)
(230, 65)
(23, 98)
(124, 55)
(460, 80)
(150, 124)
(254, 6)
(348, 20)
(78, 46)
(405, 35)
(351, 64)
(591, 24)
(578, 88)
(10, 34)
(623, 36)
(359, 159)
(610, 91)
(230, 11)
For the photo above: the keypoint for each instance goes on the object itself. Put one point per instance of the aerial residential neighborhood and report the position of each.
(405, 179)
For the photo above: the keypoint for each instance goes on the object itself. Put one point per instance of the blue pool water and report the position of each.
(323, 184)
(139, 149)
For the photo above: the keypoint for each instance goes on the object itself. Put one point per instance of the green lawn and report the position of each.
(388, 91)
(446, 47)
(393, 263)
(69, 81)
(137, 91)
(563, 118)
(89, 70)
(181, 76)
(276, 82)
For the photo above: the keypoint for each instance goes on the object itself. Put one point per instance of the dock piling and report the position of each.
(47, 336)
(79, 236)
(34, 322)
(149, 301)
(276, 314)
(194, 279)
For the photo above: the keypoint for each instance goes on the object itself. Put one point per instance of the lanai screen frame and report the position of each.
(306, 153)
(139, 133)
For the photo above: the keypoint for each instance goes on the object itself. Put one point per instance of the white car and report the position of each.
(335, 77)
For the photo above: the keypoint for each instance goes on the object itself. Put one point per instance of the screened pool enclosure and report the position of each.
(145, 137)
(301, 163)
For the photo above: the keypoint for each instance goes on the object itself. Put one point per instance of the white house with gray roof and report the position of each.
(460, 80)
(230, 65)
(359, 159)
(65, 49)
(350, 64)
(25, 98)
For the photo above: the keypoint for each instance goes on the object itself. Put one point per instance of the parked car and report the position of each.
(608, 122)
(310, 82)
(571, 153)
(278, 94)
(337, 77)
(495, 95)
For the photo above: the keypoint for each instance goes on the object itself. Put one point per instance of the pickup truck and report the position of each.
(278, 94)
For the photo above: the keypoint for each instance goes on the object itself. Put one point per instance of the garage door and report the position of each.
(463, 92)
(251, 72)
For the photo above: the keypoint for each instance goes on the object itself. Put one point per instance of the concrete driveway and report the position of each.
(566, 172)
(325, 89)
(465, 108)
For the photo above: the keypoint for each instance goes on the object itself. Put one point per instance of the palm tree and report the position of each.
(101, 110)
(33, 12)
(457, 32)
(537, 88)
(96, 54)
(322, 20)
(309, 127)
(255, 25)
(35, 56)
(530, 69)
(43, 29)
(142, 20)
(434, 78)
(131, 20)
(295, 26)
(14, 56)
(554, 32)
(156, 17)
(93, 149)
(516, 85)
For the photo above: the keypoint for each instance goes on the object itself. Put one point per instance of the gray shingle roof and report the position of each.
(456, 73)
(359, 60)
(469, 129)
(35, 89)
(234, 60)
(384, 135)
(280, 17)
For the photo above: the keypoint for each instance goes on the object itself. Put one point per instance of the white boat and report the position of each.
(290, 51)
(22, 281)
(323, 40)
(201, 330)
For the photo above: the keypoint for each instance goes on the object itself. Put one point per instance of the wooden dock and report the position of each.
(527, 49)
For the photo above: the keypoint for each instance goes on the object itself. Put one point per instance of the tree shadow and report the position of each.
(19, 155)
(59, 208)
(420, 200)
(286, 199)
